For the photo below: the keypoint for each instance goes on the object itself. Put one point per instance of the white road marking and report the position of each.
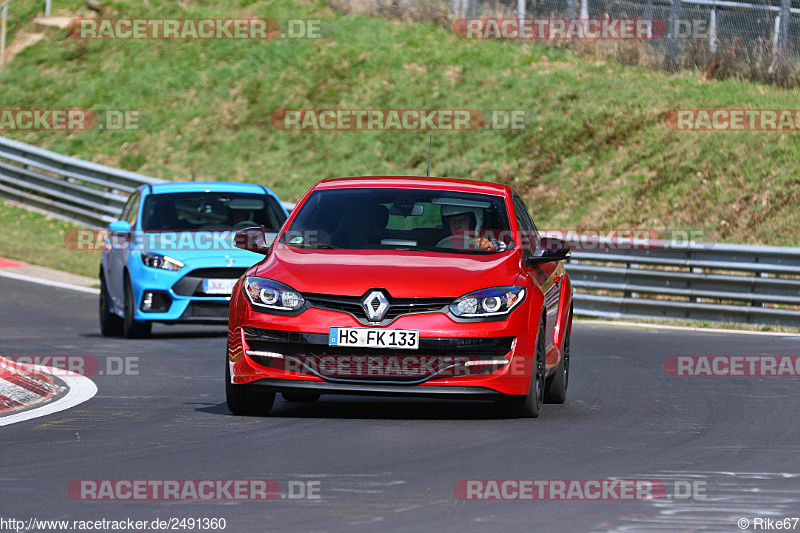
(682, 328)
(49, 283)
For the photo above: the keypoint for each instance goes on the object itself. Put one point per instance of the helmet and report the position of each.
(452, 210)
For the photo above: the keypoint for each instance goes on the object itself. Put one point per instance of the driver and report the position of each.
(238, 216)
(462, 219)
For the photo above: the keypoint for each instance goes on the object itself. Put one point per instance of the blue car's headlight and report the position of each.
(494, 301)
(165, 262)
(271, 294)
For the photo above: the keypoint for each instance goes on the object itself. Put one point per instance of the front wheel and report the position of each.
(530, 405)
(132, 328)
(556, 391)
(243, 400)
(110, 324)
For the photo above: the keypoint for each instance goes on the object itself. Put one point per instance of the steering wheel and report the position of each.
(244, 224)
(445, 243)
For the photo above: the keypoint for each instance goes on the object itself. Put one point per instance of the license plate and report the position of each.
(407, 339)
(218, 286)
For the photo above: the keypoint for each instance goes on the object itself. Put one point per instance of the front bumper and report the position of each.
(261, 346)
(182, 291)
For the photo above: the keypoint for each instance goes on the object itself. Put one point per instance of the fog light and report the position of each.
(147, 301)
(155, 302)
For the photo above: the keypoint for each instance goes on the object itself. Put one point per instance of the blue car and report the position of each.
(170, 257)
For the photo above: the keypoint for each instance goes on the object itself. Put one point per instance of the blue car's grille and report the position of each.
(192, 283)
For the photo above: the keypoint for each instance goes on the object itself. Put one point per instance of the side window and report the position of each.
(527, 229)
(127, 208)
(274, 214)
(132, 209)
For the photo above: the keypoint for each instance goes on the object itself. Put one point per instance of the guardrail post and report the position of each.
(674, 17)
(778, 66)
(3, 17)
(648, 9)
(712, 30)
(47, 8)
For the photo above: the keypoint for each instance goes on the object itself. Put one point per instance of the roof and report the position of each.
(207, 186)
(416, 182)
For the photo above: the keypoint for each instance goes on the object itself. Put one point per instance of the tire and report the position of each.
(299, 397)
(530, 405)
(556, 391)
(243, 400)
(133, 329)
(110, 324)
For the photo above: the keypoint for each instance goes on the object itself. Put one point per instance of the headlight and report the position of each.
(272, 295)
(493, 301)
(165, 262)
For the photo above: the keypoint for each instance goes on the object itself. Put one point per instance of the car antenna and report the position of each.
(430, 141)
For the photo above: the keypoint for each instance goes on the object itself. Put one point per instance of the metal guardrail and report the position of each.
(64, 186)
(694, 281)
(700, 281)
(67, 187)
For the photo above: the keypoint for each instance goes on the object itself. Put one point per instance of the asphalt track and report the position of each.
(390, 464)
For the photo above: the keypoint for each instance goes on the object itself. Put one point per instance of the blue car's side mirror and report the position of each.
(120, 226)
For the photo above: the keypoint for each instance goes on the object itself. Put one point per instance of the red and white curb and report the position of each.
(23, 387)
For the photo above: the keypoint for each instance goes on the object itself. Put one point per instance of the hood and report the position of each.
(404, 274)
(198, 248)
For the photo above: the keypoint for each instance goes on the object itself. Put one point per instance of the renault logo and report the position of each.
(375, 305)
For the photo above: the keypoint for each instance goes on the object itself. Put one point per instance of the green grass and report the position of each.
(597, 156)
(39, 239)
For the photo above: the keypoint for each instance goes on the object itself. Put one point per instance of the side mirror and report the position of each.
(120, 226)
(550, 249)
(252, 240)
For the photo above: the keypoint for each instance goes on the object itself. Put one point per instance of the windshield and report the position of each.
(211, 211)
(401, 219)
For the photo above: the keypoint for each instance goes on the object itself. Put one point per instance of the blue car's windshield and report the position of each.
(211, 211)
(405, 219)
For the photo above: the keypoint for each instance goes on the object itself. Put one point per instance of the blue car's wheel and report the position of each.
(132, 328)
(110, 324)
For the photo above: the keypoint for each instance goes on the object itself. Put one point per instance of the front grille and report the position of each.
(207, 310)
(192, 283)
(397, 306)
(309, 353)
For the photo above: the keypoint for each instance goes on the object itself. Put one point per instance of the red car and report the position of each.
(402, 286)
